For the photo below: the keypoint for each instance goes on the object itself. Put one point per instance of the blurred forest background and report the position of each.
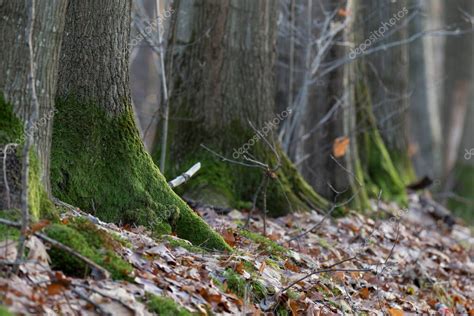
(400, 71)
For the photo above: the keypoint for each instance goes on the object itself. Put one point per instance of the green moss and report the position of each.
(11, 131)
(7, 232)
(4, 311)
(91, 242)
(266, 244)
(377, 168)
(242, 288)
(11, 128)
(165, 306)
(100, 165)
(463, 203)
(228, 184)
(176, 242)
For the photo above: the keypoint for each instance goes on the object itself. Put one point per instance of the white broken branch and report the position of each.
(185, 176)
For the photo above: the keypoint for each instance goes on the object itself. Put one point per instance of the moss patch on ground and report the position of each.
(91, 242)
(266, 244)
(100, 165)
(165, 306)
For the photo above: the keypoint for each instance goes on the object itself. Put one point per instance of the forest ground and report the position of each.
(388, 261)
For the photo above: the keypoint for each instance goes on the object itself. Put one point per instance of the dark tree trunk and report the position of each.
(99, 162)
(14, 70)
(221, 56)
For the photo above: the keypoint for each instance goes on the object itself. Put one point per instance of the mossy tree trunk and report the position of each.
(15, 99)
(375, 167)
(98, 159)
(220, 59)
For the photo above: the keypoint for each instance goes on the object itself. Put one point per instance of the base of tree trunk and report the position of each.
(100, 165)
(11, 132)
(228, 184)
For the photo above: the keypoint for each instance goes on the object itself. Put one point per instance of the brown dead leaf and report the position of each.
(395, 312)
(262, 267)
(340, 276)
(293, 305)
(364, 293)
(36, 227)
(342, 12)
(210, 296)
(340, 146)
(290, 266)
(240, 267)
(229, 237)
(55, 289)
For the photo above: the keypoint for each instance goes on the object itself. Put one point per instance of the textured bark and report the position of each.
(14, 68)
(310, 143)
(422, 128)
(99, 161)
(376, 167)
(221, 61)
(94, 57)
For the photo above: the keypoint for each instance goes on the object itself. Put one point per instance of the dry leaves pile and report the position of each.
(416, 266)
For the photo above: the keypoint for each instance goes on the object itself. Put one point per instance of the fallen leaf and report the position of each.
(55, 289)
(340, 146)
(342, 12)
(39, 225)
(364, 293)
(395, 312)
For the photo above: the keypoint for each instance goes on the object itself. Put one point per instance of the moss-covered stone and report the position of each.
(91, 242)
(100, 165)
(165, 306)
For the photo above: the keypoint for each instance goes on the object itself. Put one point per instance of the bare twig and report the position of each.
(5, 177)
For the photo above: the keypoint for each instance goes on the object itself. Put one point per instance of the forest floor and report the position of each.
(387, 262)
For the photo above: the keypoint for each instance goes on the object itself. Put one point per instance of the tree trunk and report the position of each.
(458, 110)
(221, 66)
(99, 162)
(425, 77)
(375, 168)
(312, 32)
(14, 92)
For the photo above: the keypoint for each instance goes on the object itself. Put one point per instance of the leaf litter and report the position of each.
(384, 262)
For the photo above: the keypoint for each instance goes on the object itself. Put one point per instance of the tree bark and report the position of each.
(15, 69)
(221, 64)
(99, 161)
(375, 167)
